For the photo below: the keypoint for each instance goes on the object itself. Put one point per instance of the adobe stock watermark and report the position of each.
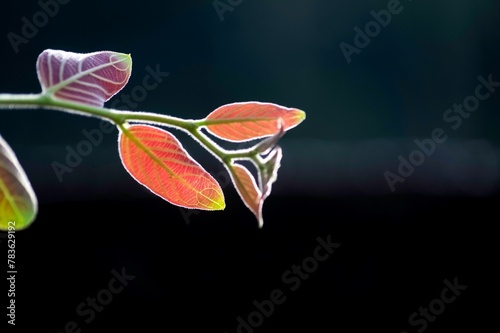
(223, 6)
(94, 137)
(30, 27)
(453, 116)
(372, 29)
(421, 319)
(292, 280)
(88, 309)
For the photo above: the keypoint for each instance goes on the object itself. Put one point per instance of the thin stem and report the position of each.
(189, 126)
(156, 118)
(9, 101)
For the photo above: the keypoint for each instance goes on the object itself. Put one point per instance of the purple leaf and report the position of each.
(88, 78)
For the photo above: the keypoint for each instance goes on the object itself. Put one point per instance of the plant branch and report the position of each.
(47, 101)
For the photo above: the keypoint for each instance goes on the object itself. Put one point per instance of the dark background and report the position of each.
(198, 274)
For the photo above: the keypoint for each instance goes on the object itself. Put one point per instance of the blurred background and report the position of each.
(368, 96)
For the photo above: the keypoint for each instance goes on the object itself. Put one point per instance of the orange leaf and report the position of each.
(247, 189)
(157, 160)
(251, 120)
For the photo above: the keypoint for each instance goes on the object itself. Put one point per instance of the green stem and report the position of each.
(186, 125)
(10, 101)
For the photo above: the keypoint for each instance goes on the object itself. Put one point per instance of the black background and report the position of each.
(200, 273)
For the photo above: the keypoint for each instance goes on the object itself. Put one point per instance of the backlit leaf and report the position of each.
(18, 202)
(269, 175)
(88, 78)
(156, 159)
(252, 195)
(251, 120)
(266, 145)
(247, 189)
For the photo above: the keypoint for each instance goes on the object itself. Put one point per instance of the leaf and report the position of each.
(18, 202)
(267, 145)
(252, 195)
(251, 120)
(88, 78)
(247, 189)
(270, 173)
(156, 159)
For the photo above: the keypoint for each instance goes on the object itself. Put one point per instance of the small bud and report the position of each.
(266, 145)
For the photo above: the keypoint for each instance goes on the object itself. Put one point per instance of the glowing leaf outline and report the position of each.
(247, 189)
(169, 167)
(87, 78)
(19, 205)
(258, 120)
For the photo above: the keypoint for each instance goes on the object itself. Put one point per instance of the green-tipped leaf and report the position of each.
(157, 160)
(246, 121)
(88, 78)
(18, 203)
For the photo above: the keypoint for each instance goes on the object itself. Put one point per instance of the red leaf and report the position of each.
(247, 189)
(251, 120)
(88, 78)
(156, 159)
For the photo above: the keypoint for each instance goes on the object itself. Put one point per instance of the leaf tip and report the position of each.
(300, 115)
(127, 57)
(219, 204)
(124, 58)
(260, 220)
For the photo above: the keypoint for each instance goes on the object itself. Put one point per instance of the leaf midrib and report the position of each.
(148, 152)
